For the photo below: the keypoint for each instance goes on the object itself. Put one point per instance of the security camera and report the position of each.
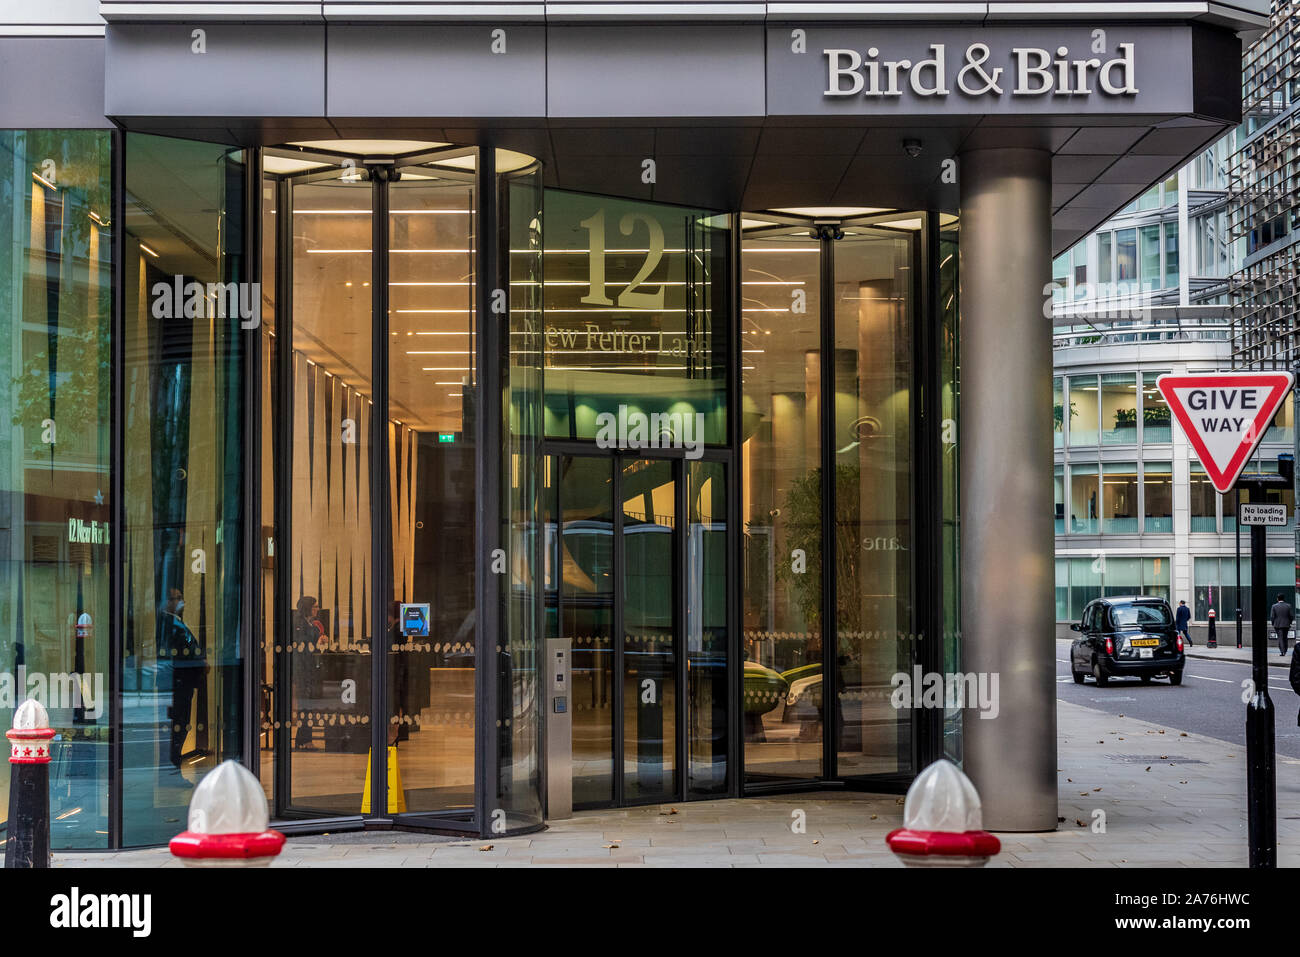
(912, 148)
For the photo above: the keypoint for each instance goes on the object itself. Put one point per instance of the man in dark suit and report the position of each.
(1182, 617)
(1282, 617)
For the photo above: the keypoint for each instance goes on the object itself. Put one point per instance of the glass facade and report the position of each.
(1081, 579)
(783, 501)
(56, 524)
(636, 325)
(1215, 585)
(320, 431)
(1158, 496)
(869, 267)
(183, 538)
(1084, 410)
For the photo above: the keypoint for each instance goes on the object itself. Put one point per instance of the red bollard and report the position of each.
(942, 822)
(28, 841)
(227, 822)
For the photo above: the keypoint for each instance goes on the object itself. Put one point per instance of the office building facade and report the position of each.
(364, 357)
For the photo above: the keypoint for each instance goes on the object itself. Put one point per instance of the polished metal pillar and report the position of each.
(1008, 613)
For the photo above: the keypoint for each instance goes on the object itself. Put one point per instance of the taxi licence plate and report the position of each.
(1146, 652)
(1145, 642)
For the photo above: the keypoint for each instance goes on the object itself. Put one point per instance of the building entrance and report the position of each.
(370, 479)
(636, 551)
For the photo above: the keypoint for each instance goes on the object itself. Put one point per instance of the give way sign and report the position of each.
(1224, 415)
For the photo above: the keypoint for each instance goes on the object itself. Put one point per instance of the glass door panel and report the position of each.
(650, 575)
(781, 502)
(706, 628)
(873, 480)
(183, 466)
(432, 487)
(327, 660)
(586, 567)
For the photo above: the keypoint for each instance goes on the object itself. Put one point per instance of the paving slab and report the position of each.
(1187, 810)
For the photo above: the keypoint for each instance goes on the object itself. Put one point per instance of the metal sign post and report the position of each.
(1261, 759)
(1224, 416)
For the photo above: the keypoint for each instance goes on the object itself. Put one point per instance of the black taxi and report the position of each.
(1130, 637)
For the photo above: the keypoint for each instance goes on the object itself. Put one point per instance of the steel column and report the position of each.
(1008, 538)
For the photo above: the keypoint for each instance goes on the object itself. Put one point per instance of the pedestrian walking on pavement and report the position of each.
(1181, 619)
(1282, 616)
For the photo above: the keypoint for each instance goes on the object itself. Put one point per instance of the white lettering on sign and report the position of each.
(1037, 72)
(1263, 514)
(87, 533)
(1224, 416)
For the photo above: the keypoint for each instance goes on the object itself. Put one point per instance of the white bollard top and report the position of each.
(942, 798)
(228, 801)
(31, 716)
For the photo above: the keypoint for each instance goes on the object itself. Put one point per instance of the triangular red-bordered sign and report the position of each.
(1224, 416)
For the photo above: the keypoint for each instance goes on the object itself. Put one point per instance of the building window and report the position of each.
(1171, 255)
(1063, 589)
(1203, 500)
(55, 311)
(1085, 584)
(1171, 190)
(1281, 429)
(1104, 272)
(1126, 258)
(1083, 499)
(782, 502)
(1058, 411)
(1155, 412)
(635, 295)
(1120, 487)
(1083, 410)
(1150, 257)
(1119, 410)
(1081, 579)
(1158, 496)
(1060, 278)
(1155, 577)
(1060, 499)
(183, 392)
(1215, 584)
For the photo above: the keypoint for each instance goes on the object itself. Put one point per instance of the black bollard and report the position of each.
(28, 843)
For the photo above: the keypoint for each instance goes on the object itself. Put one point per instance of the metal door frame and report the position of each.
(559, 449)
(289, 816)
